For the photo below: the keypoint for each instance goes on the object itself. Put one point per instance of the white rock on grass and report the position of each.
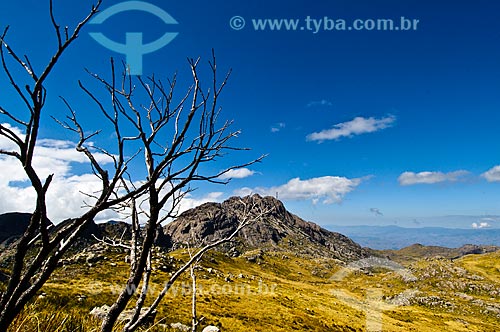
(180, 327)
(211, 328)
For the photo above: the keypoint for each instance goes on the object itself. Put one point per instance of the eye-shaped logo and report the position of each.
(133, 48)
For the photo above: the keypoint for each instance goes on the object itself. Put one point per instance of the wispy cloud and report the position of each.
(411, 178)
(276, 128)
(492, 175)
(237, 174)
(327, 189)
(490, 219)
(357, 126)
(376, 211)
(322, 102)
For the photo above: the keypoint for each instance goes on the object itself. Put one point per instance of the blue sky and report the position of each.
(360, 127)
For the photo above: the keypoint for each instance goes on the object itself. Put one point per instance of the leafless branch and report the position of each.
(112, 242)
(251, 213)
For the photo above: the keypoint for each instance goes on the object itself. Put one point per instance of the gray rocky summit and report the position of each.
(278, 229)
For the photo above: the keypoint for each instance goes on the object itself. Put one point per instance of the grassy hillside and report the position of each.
(416, 252)
(279, 291)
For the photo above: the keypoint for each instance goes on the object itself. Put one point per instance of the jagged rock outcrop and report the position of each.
(469, 249)
(277, 229)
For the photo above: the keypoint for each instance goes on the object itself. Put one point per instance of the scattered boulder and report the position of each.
(211, 328)
(254, 256)
(100, 312)
(180, 327)
(125, 316)
(405, 298)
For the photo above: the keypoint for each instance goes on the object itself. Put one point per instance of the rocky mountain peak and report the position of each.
(277, 229)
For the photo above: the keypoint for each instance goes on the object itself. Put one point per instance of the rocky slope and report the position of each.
(277, 229)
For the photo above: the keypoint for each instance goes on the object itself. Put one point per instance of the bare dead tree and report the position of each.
(28, 276)
(172, 138)
(251, 212)
(171, 164)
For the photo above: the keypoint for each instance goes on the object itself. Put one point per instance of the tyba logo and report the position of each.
(134, 49)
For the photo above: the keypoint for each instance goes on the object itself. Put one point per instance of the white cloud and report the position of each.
(357, 126)
(278, 127)
(411, 178)
(190, 202)
(64, 197)
(480, 225)
(328, 189)
(322, 102)
(239, 173)
(492, 175)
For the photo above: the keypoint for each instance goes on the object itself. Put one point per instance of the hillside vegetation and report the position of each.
(281, 291)
(281, 274)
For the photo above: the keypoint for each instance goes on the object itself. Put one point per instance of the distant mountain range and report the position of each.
(280, 228)
(277, 229)
(394, 237)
